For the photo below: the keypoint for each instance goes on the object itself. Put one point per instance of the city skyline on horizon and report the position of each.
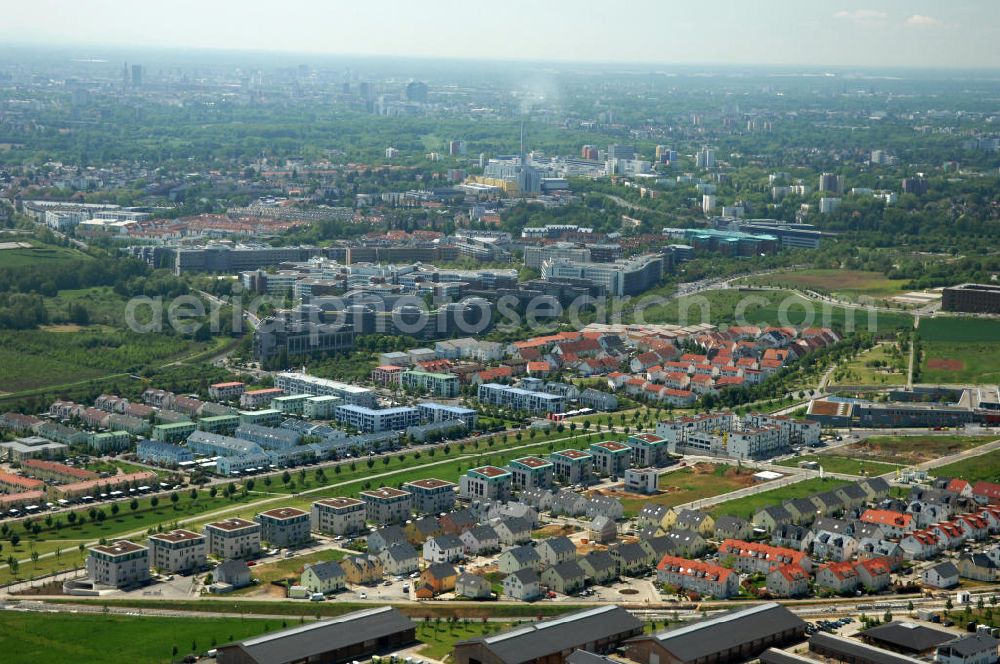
(884, 34)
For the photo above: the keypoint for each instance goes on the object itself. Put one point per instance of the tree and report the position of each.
(15, 539)
(132, 505)
(154, 501)
(286, 477)
(213, 492)
(174, 498)
(71, 517)
(115, 509)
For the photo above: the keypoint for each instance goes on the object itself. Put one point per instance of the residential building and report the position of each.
(787, 581)
(399, 559)
(324, 577)
(338, 516)
(118, 564)
(300, 383)
(233, 538)
(387, 505)
(942, 575)
(567, 578)
(641, 480)
(695, 576)
(555, 550)
(486, 483)
(473, 586)
(572, 466)
(431, 495)
(840, 578)
(480, 540)
(522, 584)
(648, 449)
(611, 458)
(362, 570)
(599, 567)
(515, 398)
(753, 557)
(284, 526)
(519, 557)
(233, 573)
(444, 549)
(530, 473)
(374, 420)
(178, 551)
(979, 648)
(426, 382)
(438, 578)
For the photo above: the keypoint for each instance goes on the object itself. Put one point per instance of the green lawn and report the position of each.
(440, 638)
(958, 329)
(862, 370)
(702, 480)
(911, 449)
(34, 638)
(961, 362)
(38, 254)
(289, 568)
(746, 507)
(844, 283)
(845, 465)
(770, 307)
(983, 467)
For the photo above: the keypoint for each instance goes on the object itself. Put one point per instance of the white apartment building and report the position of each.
(118, 564)
(338, 516)
(178, 551)
(233, 538)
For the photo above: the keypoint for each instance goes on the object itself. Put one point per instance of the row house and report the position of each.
(752, 557)
(921, 545)
(699, 577)
(840, 578)
(787, 581)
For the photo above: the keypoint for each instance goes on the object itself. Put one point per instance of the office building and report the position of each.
(972, 298)
(625, 277)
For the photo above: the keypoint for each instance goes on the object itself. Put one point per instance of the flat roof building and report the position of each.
(387, 505)
(486, 483)
(178, 551)
(338, 516)
(284, 526)
(431, 495)
(233, 538)
(118, 564)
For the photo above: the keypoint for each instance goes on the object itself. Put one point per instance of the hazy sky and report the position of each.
(935, 33)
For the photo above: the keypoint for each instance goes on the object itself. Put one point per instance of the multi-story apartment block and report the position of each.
(375, 420)
(648, 450)
(516, 398)
(431, 495)
(387, 505)
(284, 526)
(792, 431)
(119, 564)
(486, 483)
(338, 516)
(438, 412)
(531, 472)
(178, 551)
(253, 399)
(233, 538)
(427, 382)
(572, 466)
(300, 383)
(611, 458)
(230, 391)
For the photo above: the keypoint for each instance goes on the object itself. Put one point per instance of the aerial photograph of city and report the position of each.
(571, 332)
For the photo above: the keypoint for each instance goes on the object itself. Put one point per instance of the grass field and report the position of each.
(845, 283)
(911, 449)
(440, 638)
(746, 507)
(845, 465)
(702, 480)
(38, 254)
(983, 467)
(773, 307)
(962, 362)
(104, 305)
(290, 568)
(861, 370)
(31, 638)
(953, 328)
